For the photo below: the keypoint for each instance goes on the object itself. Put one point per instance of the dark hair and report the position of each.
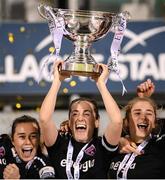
(5, 136)
(24, 119)
(92, 101)
(27, 119)
(95, 106)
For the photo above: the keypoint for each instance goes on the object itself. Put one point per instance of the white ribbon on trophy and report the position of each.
(57, 30)
(115, 46)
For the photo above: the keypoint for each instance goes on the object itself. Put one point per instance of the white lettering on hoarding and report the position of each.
(133, 66)
(162, 66)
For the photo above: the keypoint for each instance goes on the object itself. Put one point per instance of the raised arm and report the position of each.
(48, 127)
(114, 127)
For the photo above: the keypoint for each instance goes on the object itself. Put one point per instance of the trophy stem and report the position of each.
(81, 62)
(82, 52)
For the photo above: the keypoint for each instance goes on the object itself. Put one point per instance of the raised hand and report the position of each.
(127, 146)
(104, 74)
(56, 71)
(146, 89)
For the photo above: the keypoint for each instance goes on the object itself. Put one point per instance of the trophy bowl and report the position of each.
(82, 27)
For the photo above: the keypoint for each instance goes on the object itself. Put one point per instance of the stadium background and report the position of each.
(22, 32)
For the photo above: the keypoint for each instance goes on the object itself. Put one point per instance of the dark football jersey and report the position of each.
(150, 165)
(94, 164)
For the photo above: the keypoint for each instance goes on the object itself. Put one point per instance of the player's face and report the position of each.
(82, 121)
(142, 121)
(26, 140)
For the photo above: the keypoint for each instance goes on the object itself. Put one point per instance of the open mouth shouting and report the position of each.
(142, 126)
(27, 153)
(81, 127)
(81, 132)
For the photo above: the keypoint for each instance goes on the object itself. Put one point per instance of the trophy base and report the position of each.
(80, 73)
(79, 69)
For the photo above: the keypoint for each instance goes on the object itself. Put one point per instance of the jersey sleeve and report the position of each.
(108, 146)
(161, 142)
(61, 140)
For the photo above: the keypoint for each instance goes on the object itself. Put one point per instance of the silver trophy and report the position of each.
(83, 28)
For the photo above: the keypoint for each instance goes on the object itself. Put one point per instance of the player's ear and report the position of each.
(96, 123)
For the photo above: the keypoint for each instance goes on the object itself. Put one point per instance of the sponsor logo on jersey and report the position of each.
(84, 167)
(3, 161)
(115, 165)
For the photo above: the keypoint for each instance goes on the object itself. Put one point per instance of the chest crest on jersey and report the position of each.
(2, 151)
(91, 150)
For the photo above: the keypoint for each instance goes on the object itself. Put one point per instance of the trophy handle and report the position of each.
(117, 18)
(41, 10)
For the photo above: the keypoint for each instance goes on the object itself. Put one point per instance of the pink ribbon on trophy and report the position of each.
(57, 30)
(115, 46)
